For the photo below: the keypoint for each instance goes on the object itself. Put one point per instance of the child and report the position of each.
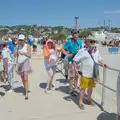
(50, 59)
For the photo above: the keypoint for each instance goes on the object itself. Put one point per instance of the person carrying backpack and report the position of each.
(70, 49)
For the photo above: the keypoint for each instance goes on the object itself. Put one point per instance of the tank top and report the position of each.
(22, 58)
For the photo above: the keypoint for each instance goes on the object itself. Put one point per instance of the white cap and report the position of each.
(21, 37)
(9, 39)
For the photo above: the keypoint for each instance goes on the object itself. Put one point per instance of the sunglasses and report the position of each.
(75, 33)
(92, 42)
(21, 40)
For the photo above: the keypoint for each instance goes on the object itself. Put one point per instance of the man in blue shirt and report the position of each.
(28, 40)
(70, 49)
(10, 45)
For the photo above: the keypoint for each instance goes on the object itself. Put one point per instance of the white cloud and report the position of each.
(112, 12)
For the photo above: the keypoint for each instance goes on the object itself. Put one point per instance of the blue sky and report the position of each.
(59, 12)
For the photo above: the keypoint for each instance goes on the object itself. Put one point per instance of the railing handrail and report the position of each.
(110, 68)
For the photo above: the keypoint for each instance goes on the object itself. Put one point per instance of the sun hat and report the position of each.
(90, 38)
(21, 37)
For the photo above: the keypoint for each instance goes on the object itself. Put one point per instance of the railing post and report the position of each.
(103, 88)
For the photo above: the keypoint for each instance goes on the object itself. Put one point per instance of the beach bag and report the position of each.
(22, 60)
(95, 69)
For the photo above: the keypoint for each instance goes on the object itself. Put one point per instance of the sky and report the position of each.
(91, 13)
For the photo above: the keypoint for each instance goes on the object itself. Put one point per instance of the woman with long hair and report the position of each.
(24, 68)
(50, 59)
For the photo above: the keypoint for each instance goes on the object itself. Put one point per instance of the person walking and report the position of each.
(1, 70)
(70, 49)
(50, 59)
(87, 56)
(8, 65)
(24, 68)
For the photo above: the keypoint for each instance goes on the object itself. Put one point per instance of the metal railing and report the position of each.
(103, 83)
(104, 86)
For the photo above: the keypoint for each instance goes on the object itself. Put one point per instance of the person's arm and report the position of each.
(101, 61)
(66, 46)
(76, 59)
(28, 51)
(16, 51)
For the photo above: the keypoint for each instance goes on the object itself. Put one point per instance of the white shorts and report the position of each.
(50, 66)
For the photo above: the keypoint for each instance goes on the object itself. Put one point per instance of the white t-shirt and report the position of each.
(53, 55)
(86, 61)
(1, 65)
(6, 53)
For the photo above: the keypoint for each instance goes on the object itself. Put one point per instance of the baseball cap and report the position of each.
(74, 31)
(21, 37)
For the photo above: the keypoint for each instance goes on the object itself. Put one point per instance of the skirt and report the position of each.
(24, 68)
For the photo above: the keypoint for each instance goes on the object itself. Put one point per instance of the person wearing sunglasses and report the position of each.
(70, 49)
(24, 67)
(85, 56)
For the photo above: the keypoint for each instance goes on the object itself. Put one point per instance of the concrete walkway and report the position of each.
(41, 106)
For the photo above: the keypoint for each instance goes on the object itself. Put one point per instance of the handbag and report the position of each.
(95, 69)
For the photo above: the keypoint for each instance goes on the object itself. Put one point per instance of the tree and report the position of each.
(59, 36)
(85, 33)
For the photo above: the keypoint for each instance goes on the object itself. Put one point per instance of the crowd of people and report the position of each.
(75, 53)
(79, 57)
(16, 57)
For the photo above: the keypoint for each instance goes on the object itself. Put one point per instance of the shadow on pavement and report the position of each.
(2, 93)
(43, 85)
(64, 89)
(107, 116)
(62, 81)
(75, 99)
(6, 87)
(19, 90)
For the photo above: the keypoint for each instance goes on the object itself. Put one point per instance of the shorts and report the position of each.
(87, 82)
(50, 66)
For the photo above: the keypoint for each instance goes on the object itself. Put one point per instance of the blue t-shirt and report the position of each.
(11, 47)
(29, 41)
(72, 46)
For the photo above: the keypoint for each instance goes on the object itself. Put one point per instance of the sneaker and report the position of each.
(81, 106)
(52, 87)
(48, 91)
(77, 91)
(26, 97)
(11, 90)
(73, 93)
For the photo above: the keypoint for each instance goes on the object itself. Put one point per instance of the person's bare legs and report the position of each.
(48, 81)
(82, 92)
(76, 81)
(22, 77)
(89, 93)
(71, 84)
(26, 84)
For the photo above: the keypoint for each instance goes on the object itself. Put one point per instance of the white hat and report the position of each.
(21, 37)
(9, 39)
